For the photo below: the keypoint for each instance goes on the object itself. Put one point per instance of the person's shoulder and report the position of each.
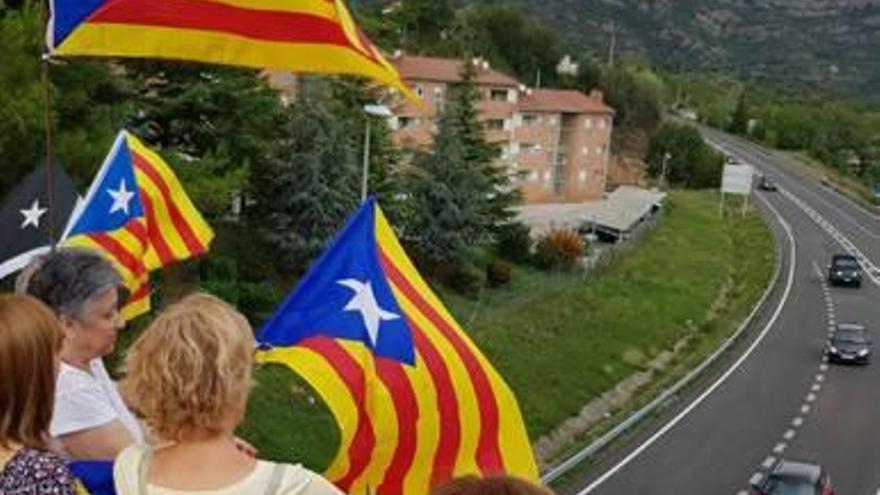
(298, 480)
(41, 464)
(72, 380)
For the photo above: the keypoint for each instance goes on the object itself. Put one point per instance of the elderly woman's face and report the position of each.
(99, 325)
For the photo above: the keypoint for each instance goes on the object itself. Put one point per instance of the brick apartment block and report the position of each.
(554, 143)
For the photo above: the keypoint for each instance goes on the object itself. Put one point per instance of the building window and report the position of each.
(420, 91)
(601, 123)
(599, 150)
(589, 123)
(494, 124)
(438, 93)
(582, 176)
(529, 119)
(586, 150)
(498, 95)
(404, 122)
(530, 148)
(533, 176)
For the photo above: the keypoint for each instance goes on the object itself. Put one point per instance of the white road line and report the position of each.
(768, 462)
(820, 377)
(756, 478)
(816, 387)
(789, 434)
(870, 268)
(797, 422)
(780, 448)
(811, 397)
(735, 366)
(805, 409)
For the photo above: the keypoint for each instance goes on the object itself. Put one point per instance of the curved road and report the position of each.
(774, 396)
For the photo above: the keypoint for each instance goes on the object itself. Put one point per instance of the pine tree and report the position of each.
(446, 197)
(307, 188)
(739, 123)
(497, 197)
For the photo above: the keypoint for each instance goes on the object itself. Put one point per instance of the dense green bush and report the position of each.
(690, 162)
(514, 242)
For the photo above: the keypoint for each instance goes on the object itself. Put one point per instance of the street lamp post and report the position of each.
(666, 157)
(377, 111)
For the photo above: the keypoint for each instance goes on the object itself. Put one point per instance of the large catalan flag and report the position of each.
(298, 35)
(137, 213)
(415, 400)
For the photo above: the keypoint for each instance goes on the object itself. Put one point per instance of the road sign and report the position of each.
(737, 179)
(877, 191)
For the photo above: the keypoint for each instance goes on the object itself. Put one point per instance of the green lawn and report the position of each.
(563, 339)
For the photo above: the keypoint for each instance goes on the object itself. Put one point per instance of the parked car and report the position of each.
(845, 270)
(849, 344)
(794, 478)
(732, 160)
(767, 184)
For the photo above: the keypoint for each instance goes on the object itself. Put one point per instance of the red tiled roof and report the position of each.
(562, 101)
(417, 68)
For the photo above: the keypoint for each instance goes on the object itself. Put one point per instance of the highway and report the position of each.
(773, 395)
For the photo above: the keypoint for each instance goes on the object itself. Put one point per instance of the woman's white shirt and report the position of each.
(296, 480)
(84, 401)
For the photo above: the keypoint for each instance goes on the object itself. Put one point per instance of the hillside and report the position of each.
(819, 44)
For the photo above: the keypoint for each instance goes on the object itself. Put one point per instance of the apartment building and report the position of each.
(554, 143)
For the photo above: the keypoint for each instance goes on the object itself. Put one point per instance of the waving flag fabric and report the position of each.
(415, 400)
(93, 477)
(298, 35)
(138, 214)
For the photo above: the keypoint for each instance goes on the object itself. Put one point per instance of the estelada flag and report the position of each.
(137, 213)
(415, 400)
(317, 36)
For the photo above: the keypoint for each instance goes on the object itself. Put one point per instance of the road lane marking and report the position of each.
(817, 387)
(789, 434)
(811, 397)
(768, 462)
(756, 478)
(780, 448)
(805, 409)
(797, 422)
(735, 366)
(870, 269)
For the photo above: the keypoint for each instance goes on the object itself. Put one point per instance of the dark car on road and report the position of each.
(794, 478)
(849, 344)
(845, 270)
(767, 184)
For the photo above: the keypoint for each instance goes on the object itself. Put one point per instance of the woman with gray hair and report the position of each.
(89, 419)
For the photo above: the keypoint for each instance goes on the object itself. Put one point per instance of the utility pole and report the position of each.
(611, 45)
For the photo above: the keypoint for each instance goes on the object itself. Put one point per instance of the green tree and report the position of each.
(510, 40)
(739, 121)
(497, 196)
(636, 95)
(689, 161)
(445, 190)
(88, 104)
(307, 188)
(212, 123)
(424, 23)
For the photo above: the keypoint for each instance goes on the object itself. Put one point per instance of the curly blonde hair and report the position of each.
(191, 369)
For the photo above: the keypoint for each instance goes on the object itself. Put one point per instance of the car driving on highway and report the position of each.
(849, 344)
(845, 270)
(794, 478)
(767, 183)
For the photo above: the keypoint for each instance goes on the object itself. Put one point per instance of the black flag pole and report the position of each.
(47, 121)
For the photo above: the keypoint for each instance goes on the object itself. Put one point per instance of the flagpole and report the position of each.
(47, 122)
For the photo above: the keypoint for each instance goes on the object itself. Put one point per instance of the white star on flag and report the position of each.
(33, 214)
(364, 301)
(121, 198)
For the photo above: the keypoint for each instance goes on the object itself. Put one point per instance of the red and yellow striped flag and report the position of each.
(416, 401)
(137, 213)
(317, 36)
